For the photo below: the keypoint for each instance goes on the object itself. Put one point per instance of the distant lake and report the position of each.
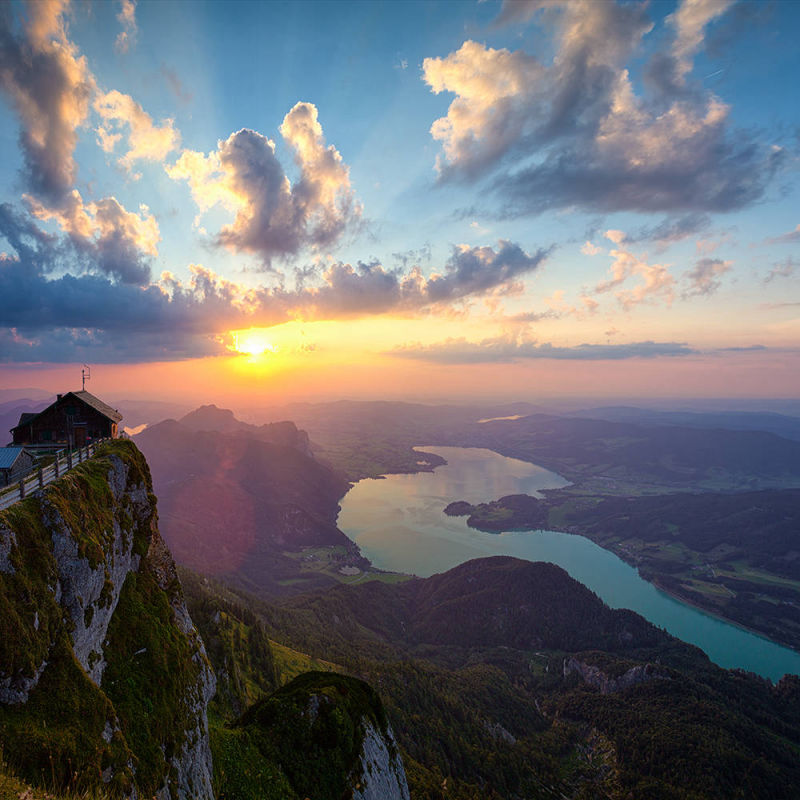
(399, 524)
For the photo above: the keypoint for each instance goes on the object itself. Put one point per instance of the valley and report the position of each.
(499, 677)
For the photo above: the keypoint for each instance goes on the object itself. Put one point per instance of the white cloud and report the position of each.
(272, 216)
(574, 129)
(146, 141)
(127, 18)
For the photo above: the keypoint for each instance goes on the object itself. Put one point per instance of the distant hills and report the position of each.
(768, 422)
(233, 497)
(644, 457)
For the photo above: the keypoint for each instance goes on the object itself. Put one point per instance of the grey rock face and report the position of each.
(594, 676)
(382, 774)
(17, 688)
(90, 595)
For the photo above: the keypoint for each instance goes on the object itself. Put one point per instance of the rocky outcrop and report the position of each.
(103, 676)
(90, 580)
(594, 676)
(324, 735)
(382, 776)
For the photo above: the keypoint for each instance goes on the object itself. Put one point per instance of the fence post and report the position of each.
(69, 459)
(22, 490)
(41, 479)
(55, 464)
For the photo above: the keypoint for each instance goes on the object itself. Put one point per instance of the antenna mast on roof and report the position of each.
(86, 373)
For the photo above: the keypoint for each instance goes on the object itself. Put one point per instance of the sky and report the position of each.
(402, 199)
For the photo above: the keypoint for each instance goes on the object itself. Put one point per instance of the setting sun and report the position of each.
(252, 342)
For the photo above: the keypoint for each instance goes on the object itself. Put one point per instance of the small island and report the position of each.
(514, 512)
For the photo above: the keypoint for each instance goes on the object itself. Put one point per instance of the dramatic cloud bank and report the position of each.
(575, 133)
(52, 316)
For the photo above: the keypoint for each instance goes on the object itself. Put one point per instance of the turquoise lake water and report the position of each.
(399, 524)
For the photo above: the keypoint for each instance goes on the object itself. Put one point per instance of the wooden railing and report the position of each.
(39, 477)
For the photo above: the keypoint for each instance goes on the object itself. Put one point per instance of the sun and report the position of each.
(252, 342)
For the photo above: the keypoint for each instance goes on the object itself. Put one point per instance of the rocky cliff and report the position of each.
(323, 735)
(103, 678)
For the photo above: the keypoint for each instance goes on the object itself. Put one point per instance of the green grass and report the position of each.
(290, 663)
(241, 772)
(149, 674)
(328, 560)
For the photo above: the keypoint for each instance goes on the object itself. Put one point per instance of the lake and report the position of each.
(399, 524)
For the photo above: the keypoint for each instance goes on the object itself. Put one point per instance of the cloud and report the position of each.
(506, 349)
(56, 316)
(272, 216)
(560, 308)
(45, 316)
(369, 288)
(76, 345)
(127, 18)
(786, 238)
(323, 193)
(146, 141)
(752, 348)
(657, 281)
(104, 234)
(671, 229)
(589, 249)
(474, 270)
(525, 317)
(574, 132)
(175, 84)
(50, 86)
(784, 269)
(704, 279)
(690, 21)
(490, 112)
(615, 236)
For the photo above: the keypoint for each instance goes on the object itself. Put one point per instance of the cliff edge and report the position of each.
(104, 680)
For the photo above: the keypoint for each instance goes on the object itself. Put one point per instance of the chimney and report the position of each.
(58, 398)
